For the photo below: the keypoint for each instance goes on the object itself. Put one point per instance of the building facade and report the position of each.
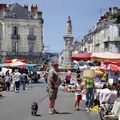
(105, 35)
(21, 32)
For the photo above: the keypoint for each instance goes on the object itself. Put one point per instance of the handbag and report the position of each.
(83, 97)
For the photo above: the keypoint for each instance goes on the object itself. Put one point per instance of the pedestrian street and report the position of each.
(17, 106)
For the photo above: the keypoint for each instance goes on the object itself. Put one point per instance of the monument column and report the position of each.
(68, 41)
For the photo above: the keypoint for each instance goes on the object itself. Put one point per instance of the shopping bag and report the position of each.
(83, 97)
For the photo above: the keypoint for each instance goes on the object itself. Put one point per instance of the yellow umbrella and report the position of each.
(99, 72)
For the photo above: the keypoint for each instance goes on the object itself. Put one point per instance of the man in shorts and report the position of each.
(52, 87)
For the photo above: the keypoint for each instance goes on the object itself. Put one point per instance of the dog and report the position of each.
(34, 108)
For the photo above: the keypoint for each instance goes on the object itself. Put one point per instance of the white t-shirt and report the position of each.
(17, 76)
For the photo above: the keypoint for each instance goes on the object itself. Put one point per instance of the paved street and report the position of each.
(16, 106)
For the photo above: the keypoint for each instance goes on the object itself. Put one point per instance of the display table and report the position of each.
(67, 88)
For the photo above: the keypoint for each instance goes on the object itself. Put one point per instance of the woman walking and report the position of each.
(7, 80)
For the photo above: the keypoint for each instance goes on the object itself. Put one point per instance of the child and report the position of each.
(78, 95)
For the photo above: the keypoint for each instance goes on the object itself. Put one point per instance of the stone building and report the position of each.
(105, 35)
(21, 32)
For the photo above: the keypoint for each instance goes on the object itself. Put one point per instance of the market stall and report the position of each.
(105, 57)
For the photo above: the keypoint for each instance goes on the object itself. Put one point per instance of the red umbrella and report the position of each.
(15, 60)
(81, 56)
(110, 62)
(110, 67)
(15, 64)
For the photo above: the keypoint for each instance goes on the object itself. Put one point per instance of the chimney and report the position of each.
(110, 9)
(115, 10)
(26, 7)
(3, 6)
(118, 11)
(34, 9)
(102, 18)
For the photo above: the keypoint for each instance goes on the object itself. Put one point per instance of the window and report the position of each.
(15, 47)
(0, 36)
(85, 49)
(31, 46)
(88, 47)
(15, 30)
(119, 31)
(31, 31)
(106, 45)
(0, 46)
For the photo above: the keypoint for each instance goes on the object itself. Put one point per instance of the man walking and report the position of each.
(17, 78)
(24, 79)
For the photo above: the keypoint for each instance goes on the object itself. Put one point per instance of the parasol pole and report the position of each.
(107, 72)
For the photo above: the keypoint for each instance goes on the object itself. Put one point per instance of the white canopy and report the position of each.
(105, 56)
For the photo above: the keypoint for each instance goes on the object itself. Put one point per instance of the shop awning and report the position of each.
(105, 56)
(81, 56)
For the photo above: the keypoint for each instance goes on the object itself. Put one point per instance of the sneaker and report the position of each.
(55, 112)
(88, 109)
(74, 109)
(51, 112)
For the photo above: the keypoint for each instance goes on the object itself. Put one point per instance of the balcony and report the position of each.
(106, 40)
(114, 39)
(15, 37)
(31, 37)
(117, 38)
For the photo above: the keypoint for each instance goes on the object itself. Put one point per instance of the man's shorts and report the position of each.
(52, 94)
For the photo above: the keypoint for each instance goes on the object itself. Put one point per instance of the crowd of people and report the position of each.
(82, 85)
(11, 81)
(88, 87)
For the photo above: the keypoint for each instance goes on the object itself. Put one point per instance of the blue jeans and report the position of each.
(89, 97)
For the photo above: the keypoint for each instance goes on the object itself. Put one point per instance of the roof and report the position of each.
(16, 11)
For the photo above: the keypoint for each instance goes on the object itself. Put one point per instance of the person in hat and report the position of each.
(52, 87)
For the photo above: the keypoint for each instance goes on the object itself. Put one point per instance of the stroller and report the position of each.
(105, 109)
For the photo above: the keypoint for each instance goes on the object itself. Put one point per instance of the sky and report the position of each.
(84, 15)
